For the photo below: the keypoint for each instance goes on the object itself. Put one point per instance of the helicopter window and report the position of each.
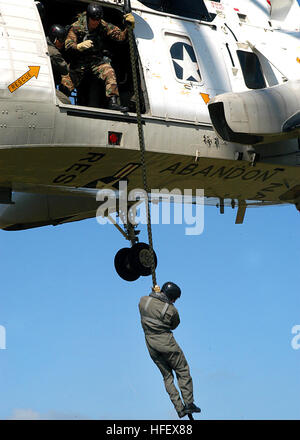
(195, 9)
(183, 58)
(252, 70)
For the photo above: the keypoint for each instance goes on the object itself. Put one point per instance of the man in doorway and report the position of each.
(56, 42)
(86, 44)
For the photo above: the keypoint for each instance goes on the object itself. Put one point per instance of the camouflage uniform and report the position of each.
(60, 69)
(158, 318)
(93, 59)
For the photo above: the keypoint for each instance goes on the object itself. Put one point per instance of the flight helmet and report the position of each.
(57, 32)
(94, 11)
(171, 290)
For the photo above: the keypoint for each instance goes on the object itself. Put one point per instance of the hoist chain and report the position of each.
(142, 146)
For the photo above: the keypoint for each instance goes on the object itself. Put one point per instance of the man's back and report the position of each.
(59, 65)
(157, 316)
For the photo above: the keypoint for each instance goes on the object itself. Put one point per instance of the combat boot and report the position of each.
(191, 408)
(113, 105)
(182, 413)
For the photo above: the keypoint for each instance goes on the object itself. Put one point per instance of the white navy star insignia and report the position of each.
(185, 62)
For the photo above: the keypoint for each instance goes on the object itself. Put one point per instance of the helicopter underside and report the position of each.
(46, 148)
(50, 168)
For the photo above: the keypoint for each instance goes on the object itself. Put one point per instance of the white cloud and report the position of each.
(24, 414)
(30, 414)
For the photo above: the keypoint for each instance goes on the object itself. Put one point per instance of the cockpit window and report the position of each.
(195, 9)
(252, 71)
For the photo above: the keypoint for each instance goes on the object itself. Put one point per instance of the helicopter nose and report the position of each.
(258, 116)
(230, 121)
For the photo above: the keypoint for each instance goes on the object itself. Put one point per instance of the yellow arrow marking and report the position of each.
(33, 71)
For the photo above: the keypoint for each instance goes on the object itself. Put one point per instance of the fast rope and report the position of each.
(127, 9)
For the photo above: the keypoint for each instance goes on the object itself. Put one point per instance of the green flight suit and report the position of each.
(158, 318)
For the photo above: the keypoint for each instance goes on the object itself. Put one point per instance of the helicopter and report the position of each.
(219, 95)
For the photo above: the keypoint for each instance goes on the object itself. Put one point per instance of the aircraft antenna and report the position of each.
(127, 10)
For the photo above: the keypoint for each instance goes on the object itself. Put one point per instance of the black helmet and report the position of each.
(171, 290)
(57, 32)
(41, 8)
(94, 11)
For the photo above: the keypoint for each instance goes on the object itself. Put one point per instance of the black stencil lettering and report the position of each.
(221, 172)
(64, 178)
(233, 175)
(266, 175)
(93, 157)
(172, 168)
(272, 187)
(205, 171)
(188, 169)
(79, 167)
(251, 174)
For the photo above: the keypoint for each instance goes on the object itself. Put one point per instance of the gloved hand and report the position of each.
(129, 19)
(85, 45)
(156, 289)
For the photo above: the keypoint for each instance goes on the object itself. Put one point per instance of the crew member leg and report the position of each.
(77, 74)
(178, 363)
(107, 74)
(67, 85)
(168, 377)
(62, 97)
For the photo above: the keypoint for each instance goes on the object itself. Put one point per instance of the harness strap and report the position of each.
(147, 303)
(163, 312)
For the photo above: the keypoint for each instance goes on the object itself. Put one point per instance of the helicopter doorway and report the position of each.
(91, 91)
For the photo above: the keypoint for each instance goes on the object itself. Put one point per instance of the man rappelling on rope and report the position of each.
(158, 314)
(159, 317)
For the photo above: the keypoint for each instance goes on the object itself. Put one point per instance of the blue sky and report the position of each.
(75, 348)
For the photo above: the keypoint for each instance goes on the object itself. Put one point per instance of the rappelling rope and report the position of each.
(142, 146)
